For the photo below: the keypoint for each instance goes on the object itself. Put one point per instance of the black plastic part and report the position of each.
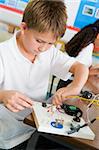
(72, 110)
(44, 104)
(87, 94)
(77, 119)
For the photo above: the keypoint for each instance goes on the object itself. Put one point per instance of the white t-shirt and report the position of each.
(18, 73)
(84, 57)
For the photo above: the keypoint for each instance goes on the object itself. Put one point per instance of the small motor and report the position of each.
(73, 111)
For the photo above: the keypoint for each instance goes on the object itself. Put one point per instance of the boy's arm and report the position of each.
(80, 72)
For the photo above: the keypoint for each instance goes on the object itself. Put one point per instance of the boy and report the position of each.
(26, 61)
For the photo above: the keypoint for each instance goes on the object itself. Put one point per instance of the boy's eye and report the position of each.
(51, 43)
(39, 41)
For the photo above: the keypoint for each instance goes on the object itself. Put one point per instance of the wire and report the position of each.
(97, 118)
(96, 101)
(87, 111)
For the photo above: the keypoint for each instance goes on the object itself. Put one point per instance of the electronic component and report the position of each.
(86, 94)
(74, 129)
(58, 123)
(73, 111)
(44, 104)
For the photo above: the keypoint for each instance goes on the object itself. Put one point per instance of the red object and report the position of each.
(96, 49)
(73, 28)
(11, 9)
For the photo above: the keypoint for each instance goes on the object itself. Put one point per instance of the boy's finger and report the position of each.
(24, 103)
(26, 99)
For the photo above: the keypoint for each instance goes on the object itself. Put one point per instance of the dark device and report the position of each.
(86, 94)
(72, 111)
(74, 129)
(44, 104)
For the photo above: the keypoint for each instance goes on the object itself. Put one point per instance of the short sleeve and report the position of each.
(61, 64)
(85, 56)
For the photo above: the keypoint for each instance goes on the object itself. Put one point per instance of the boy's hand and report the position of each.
(15, 101)
(61, 94)
(58, 97)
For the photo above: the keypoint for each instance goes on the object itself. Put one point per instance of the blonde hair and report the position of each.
(46, 15)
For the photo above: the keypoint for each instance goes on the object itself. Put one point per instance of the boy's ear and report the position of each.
(23, 27)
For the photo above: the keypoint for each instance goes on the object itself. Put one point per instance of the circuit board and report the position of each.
(51, 120)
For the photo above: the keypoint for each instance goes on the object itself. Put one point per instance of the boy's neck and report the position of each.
(29, 56)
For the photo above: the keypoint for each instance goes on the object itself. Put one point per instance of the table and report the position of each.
(75, 143)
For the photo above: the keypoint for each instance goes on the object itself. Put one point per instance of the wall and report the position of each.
(80, 13)
(11, 10)
(14, 17)
(8, 11)
(72, 8)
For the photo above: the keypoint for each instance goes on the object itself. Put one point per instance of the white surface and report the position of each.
(10, 17)
(15, 18)
(43, 120)
(68, 35)
(72, 9)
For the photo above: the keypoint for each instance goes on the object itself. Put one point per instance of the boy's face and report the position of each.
(34, 42)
